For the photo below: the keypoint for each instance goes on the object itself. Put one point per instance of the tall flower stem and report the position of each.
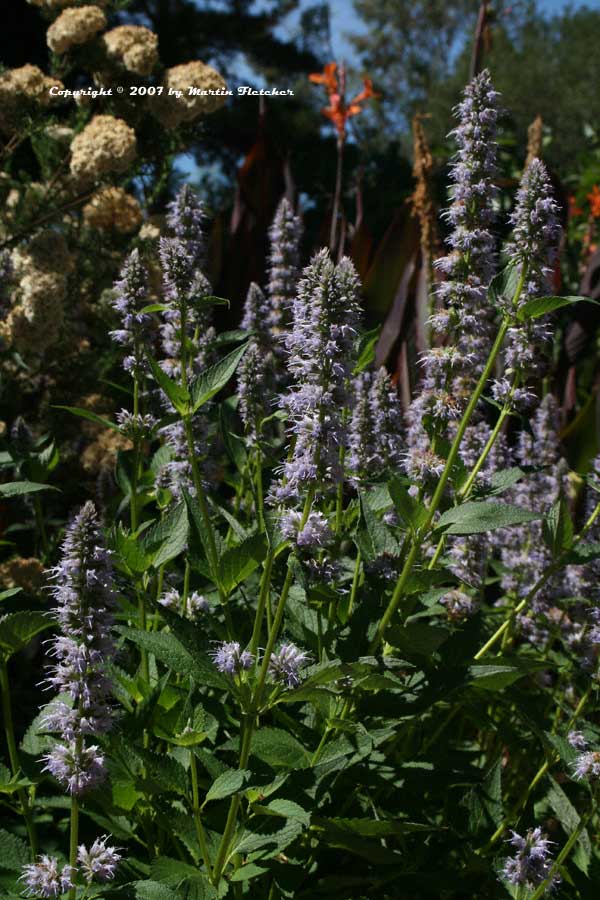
(465, 490)
(441, 485)
(250, 719)
(337, 195)
(73, 840)
(202, 503)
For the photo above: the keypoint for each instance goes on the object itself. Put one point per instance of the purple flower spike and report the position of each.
(44, 878)
(531, 865)
(100, 862)
(230, 659)
(285, 665)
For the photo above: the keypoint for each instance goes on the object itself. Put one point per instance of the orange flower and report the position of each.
(338, 111)
(594, 198)
(574, 209)
(327, 77)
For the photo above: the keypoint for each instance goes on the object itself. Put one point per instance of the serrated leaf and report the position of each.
(502, 480)
(14, 852)
(177, 394)
(411, 512)
(171, 871)
(18, 628)
(210, 382)
(279, 749)
(171, 652)
(92, 417)
(19, 488)
(557, 528)
(475, 517)
(569, 818)
(153, 890)
(239, 562)
(540, 306)
(170, 535)
(503, 286)
(228, 783)
(495, 677)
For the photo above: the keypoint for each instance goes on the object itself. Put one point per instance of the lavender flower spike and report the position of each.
(285, 665)
(185, 218)
(131, 296)
(284, 260)
(321, 352)
(230, 659)
(256, 373)
(531, 865)
(100, 862)
(375, 433)
(43, 878)
(464, 313)
(84, 596)
(536, 232)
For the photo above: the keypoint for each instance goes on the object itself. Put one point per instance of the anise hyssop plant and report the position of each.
(304, 643)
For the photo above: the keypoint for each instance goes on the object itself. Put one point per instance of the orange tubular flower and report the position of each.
(338, 111)
(594, 198)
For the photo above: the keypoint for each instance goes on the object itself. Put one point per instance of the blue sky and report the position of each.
(344, 20)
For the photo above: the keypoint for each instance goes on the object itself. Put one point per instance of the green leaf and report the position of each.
(18, 628)
(228, 783)
(238, 562)
(417, 638)
(211, 300)
(177, 394)
(366, 349)
(86, 414)
(557, 528)
(495, 677)
(171, 652)
(153, 890)
(169, 536)
(171, 871)
(375, 539)
(370, 827)
(14, 852)
(132, 551)
(210, 382)
(475, 517)
(501, 481)
(279, 749)
(287, 809)
(569, 818)
(18, 488)
(411, 512)
(539, 306)
(4, 595)
(155, 307)
(503, 286)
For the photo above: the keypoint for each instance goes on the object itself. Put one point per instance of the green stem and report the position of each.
(9, 728)
(201, 498)
(439, 491)
(265, 584)
(74, 840)
(233, 807)
(200, 832)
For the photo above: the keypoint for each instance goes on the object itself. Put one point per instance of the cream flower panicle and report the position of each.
(75, 26)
